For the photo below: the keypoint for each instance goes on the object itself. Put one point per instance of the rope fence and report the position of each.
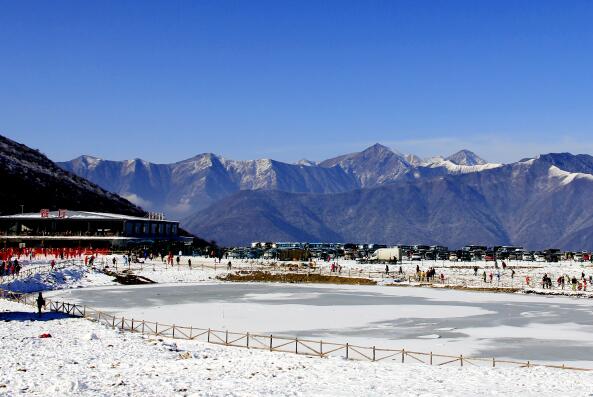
(271, 343)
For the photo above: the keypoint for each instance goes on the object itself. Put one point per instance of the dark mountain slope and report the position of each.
(31, 179)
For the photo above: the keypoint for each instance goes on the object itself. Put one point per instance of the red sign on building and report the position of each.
(44, 213)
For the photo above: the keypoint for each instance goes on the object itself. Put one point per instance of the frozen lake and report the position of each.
(549, 329)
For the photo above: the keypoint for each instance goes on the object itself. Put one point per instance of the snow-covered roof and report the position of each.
(82, 215)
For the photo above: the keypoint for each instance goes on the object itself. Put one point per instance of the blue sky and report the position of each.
(288, 80)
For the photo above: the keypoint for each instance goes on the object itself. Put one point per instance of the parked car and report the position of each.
(527, 256)
(578, 257)
(489, 256)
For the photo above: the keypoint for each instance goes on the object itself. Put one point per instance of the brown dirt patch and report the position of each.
(294, 278)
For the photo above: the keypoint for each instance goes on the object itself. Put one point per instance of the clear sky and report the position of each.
(288, 80)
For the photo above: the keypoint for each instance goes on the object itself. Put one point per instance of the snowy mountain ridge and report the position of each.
(539, 203)
(186, 186)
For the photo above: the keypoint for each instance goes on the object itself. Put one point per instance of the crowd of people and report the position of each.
(10, 267)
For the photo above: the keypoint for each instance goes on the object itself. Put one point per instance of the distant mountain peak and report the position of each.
(378, 148)
(414, 160)
(466, 157)
(306, 162)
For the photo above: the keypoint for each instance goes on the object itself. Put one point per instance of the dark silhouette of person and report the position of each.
(40, 304)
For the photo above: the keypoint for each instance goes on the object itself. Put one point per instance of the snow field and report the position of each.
(74, 276)
(83, 358)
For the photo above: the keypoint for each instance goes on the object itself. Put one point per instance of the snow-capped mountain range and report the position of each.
(182, 188)
(376, 195)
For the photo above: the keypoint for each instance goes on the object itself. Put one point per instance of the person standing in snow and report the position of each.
(189, 263)
(387, 270)
(40, 304)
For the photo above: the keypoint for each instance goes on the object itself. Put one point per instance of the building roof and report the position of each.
(81, 215)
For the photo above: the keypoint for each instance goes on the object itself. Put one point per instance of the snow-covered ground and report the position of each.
(84, 358)
(87, 359)
(74, 276)
(455, 273)
(506, 326)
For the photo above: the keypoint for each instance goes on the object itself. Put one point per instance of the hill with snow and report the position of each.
(30, 179)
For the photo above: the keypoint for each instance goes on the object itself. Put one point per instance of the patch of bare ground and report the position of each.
(294, 278)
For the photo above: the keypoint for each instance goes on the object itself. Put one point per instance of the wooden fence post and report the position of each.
(226, 337)
(430, 358)
(248, 340)
(403, 355)
(373, 353)
(296, 345)
(208, 335)
(493, 362)
(461, 359)
(320, 348)
(346, 351)
(271, 339)
(173, 331)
